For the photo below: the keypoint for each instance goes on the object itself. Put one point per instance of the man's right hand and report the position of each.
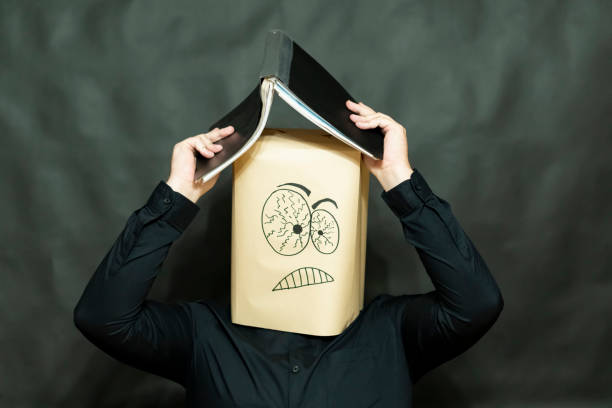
(183, 166)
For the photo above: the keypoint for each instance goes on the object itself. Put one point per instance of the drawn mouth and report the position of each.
(305, 276)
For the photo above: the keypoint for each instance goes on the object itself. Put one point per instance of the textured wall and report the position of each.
(508, 107)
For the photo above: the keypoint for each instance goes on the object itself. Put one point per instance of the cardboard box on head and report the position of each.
(299, 226)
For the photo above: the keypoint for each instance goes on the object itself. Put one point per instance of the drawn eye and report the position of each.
(285, 220)
(324, 231)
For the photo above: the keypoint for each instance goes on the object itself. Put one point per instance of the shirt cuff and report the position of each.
(408, 195)
(172, 206)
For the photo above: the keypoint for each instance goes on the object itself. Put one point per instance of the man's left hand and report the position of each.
(394, 167)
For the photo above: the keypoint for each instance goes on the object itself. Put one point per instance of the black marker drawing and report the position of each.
(325, 232)
(305, 276)
(285, 219)
(288, 224)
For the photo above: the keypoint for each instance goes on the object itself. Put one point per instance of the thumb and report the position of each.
(203, 187)
(370, 163)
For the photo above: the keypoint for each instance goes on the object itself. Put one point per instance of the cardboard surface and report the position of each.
(299, 226)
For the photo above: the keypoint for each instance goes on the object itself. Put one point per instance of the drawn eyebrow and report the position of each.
(307, 191)
(315, 205)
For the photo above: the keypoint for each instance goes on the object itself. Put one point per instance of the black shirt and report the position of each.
(374, 362)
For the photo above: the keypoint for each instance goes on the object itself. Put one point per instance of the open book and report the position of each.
(303, 84)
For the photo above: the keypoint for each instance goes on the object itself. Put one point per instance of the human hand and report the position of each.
(183, 166)
(395, 166)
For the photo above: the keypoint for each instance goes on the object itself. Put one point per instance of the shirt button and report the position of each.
(295, 368)
(418, 187)
(166, 200)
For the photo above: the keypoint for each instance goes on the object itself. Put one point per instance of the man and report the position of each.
(374, 362)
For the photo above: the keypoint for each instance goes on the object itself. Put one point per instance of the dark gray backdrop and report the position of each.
(508, 109)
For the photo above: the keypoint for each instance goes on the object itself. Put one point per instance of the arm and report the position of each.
(443, 323)
(113, 313)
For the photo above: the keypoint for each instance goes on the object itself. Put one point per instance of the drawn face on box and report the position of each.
(299, 216)
(290, 222)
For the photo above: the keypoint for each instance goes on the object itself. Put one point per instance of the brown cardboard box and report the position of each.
(299, 225)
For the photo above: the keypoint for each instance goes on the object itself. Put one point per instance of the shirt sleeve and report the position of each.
(113, 313)
(439, 325)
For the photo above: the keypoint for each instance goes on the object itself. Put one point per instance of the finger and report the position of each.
(204, 140)
(374, 122)
(366, 107)
(360, 107)
(356, 117)
(219, 133)
(215, 148)
(355, 107)
(386, 118)
(200, 146)
(377, 118)
(379, 114)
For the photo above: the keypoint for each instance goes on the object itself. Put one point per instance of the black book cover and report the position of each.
(286, 65)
